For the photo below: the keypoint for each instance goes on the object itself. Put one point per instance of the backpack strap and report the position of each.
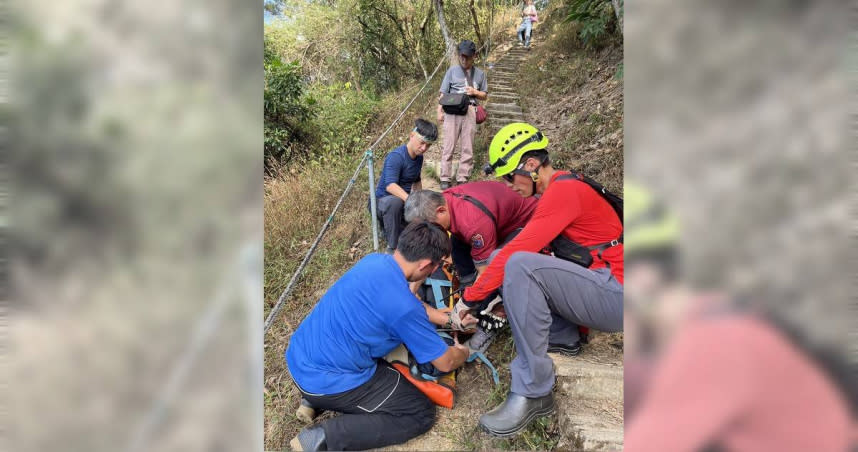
(470, 78)
(479, 205)
(604, 193)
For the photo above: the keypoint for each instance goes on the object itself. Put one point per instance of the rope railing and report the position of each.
(368, 156)
(367, 159)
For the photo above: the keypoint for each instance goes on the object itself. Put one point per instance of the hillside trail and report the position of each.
(589, 387)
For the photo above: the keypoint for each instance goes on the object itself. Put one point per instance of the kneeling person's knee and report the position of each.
(424, 416)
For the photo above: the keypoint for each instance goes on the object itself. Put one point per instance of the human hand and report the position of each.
(461, 319)
(470, 91)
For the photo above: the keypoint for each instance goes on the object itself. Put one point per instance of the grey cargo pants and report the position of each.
(546, 296)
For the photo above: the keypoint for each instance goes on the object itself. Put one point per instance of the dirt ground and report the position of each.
(578, 104)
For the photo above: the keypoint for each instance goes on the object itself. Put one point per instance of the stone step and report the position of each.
(500, 122)
(589, 403)
(503, 107)
(504, 95)
(590, 429)
(502, 89)
(513, 117)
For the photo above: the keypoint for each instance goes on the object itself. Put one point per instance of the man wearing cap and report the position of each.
(460, 129)
(399, 177)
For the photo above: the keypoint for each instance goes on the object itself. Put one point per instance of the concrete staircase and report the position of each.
(589, 397)
(504, 104)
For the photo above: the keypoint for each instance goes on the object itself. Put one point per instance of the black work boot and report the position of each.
(515, 413)
(565, 349)
(311, 438)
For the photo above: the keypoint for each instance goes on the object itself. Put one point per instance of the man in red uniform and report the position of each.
(547, 298)
(479, 216)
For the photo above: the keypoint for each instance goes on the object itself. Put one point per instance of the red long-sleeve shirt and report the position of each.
(570, 207)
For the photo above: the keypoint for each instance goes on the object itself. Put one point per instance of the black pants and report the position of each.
(385, 410)
(463, 261)
(392, 222)
(461, 255)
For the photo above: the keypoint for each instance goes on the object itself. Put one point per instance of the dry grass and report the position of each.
(580, 118)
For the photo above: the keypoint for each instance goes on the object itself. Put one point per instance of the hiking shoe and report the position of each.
(565, 349)
(305, 412)
(445, 185)
(481, 340)
(311, 438)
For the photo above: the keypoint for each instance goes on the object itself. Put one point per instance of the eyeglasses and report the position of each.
(510, 177)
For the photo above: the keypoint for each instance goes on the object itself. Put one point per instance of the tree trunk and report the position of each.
(618, 6)
(442, 22)
(477, 24)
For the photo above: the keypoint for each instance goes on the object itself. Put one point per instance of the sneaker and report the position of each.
(445, 185)
(481, 340)
(565, 349)
(306, 412)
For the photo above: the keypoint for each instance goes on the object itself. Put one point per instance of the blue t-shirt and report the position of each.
(363, 316)
(399, 169)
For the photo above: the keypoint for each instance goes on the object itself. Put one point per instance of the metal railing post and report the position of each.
(372, 206)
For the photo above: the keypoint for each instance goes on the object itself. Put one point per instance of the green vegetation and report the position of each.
(347, 69)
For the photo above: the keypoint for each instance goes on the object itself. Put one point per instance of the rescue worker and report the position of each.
(480, 216)
(547, 298)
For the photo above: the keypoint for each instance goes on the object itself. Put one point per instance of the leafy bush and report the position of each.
(285, 113)
(342, 114)
(595, 18)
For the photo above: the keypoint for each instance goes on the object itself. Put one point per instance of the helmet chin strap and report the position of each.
(534, 176)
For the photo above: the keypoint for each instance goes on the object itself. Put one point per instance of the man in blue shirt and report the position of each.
(399, 177)
(335, 354)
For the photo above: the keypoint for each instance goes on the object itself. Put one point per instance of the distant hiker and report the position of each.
(547, 298)
(335, 355)
(399, 177)
(528, 18)
(460, 125)
(480, 216)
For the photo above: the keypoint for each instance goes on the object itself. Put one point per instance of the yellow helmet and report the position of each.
(648, 225)
(510, 143)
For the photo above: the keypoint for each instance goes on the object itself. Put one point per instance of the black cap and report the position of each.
(467, 47)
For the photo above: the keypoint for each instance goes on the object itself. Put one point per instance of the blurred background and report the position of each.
(737, 127)
(134, 225)
(133, 202)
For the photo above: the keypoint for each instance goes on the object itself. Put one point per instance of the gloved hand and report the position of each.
(482, 310)
(461, 318)
(487, 319)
